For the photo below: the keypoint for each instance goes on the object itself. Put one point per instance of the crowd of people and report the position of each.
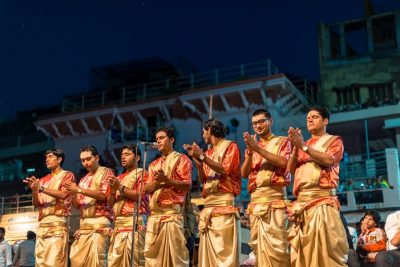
(369, 183)
(306, 232)
(21, 254)
(369, 102)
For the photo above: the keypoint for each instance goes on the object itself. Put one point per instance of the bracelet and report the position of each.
(293, 156)
(112, 194)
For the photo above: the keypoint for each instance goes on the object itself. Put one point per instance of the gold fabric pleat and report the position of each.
(319, 239)
(219, 241)
(120, 251)
(90, 247)
(51, 247)
(165, 242)
(269, 227)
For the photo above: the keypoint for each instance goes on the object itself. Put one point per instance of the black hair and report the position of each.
(169, 131)
(375, 215)
(321, 110)
(262, 111)
(90, 148)
(132, 147)
(31, 235)
(216, 127)
(59, 153)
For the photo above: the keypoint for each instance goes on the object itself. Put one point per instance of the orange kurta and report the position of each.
(218, 226)
(329, 178)
(128, 204)
(60, 207)
(100, 207)
(280, 177)
(182, 172)
(231, 164)
(318, 238)
(370, 243)
(165, 243)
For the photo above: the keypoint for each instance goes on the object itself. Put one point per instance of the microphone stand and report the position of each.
(138, 203)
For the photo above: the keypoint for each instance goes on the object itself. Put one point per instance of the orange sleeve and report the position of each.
(184, 169)
(104, 184)
(231, 165)
(285, 149)
(231, 160)
(69, 177)
(150, 177)
(336, 149)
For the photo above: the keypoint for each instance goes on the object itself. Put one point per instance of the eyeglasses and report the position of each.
(261, 121)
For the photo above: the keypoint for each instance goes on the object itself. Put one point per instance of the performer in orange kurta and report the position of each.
(317, 238)
(169, 181)
(50, 195)
(219, 171)
(91, 243)
(265, 165)
(123, 198)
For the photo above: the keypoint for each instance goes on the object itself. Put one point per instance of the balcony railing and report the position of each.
(169, 86)
(362, 166)
(16, 204)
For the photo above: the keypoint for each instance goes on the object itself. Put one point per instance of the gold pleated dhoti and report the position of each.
(90, 247)
(269, 227)
(120, 251)
(51, 247)
(317, 237)
(218, 227)
(165, 242)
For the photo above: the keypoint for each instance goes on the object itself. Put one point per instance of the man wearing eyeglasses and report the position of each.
(265, 166)
(91, 243)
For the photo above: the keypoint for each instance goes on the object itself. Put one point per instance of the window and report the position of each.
(384, 33)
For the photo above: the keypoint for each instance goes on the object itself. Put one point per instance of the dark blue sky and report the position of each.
(47, 47)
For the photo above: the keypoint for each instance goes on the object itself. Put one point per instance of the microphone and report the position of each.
(150, 144)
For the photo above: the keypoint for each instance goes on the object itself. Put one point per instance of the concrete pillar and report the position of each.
(343, 49)
(369, 36)
(398, 138)
(397, 23)
(392, 164)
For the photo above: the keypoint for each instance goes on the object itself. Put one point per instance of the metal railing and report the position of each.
(362, 166)
(16, 204)
(169, 86)
(307, 89)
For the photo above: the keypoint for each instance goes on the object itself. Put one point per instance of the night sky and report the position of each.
(47, 48)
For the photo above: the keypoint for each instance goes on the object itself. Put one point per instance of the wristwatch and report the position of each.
(41, 189)
(305, 148)
(79, 191)
(202, 157)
